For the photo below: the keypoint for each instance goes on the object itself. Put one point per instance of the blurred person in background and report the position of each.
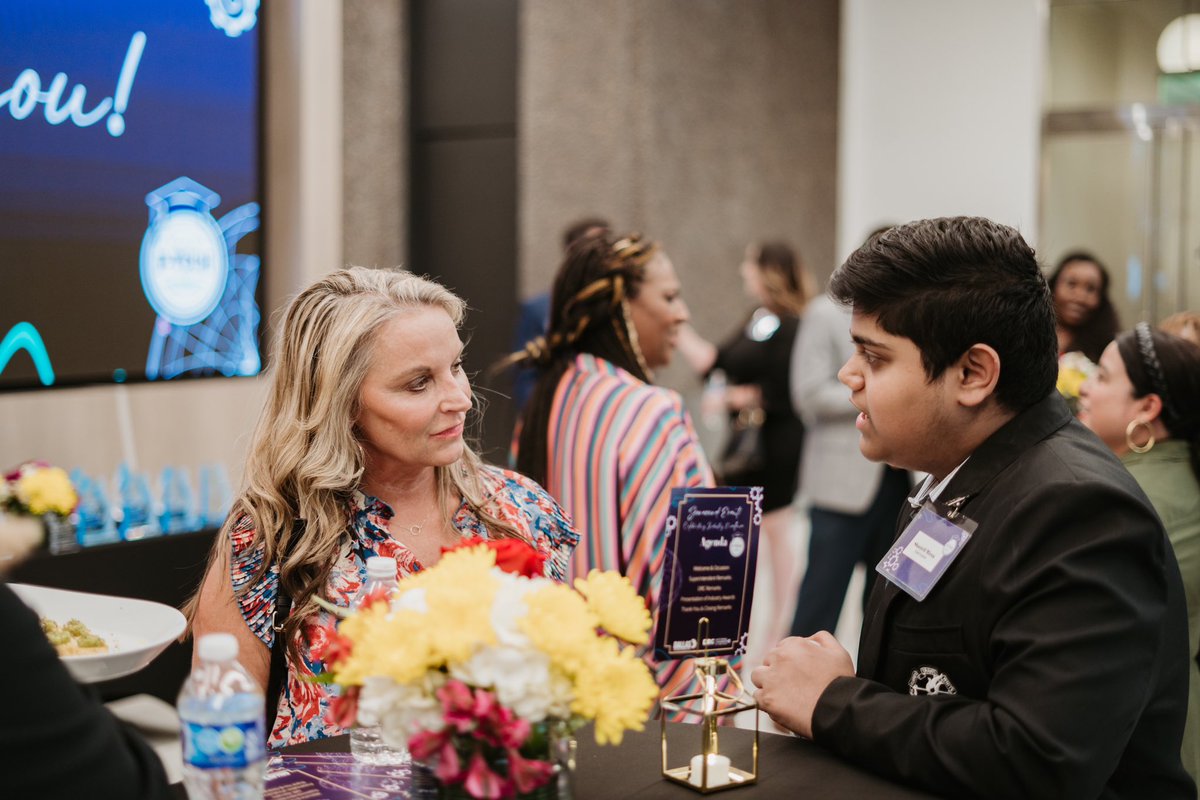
(534, 315)
(1085, 319)
(1184, 324)
(606, 442)
(358, 452)
(852, 502)
(763, 448)
(1143, 401)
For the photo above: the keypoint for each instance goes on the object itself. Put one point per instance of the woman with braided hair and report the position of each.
(604, 441)
(1144, 402)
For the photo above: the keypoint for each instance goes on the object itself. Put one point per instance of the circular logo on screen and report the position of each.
(184, 265)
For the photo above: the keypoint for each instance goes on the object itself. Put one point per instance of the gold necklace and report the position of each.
(414, 530)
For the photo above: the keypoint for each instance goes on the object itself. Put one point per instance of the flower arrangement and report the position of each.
(476, 661)
(27, 493)
(1073, 369)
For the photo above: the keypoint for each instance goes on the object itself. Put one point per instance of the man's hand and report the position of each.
(793, 676)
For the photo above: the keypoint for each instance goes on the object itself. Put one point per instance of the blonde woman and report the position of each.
(358, 452)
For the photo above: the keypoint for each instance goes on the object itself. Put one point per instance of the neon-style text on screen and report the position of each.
(26, 94)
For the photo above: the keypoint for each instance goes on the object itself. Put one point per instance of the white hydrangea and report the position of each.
(401, 710)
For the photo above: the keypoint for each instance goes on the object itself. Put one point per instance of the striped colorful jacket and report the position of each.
(617, 446)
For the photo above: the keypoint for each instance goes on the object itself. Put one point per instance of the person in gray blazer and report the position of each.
(852, 502)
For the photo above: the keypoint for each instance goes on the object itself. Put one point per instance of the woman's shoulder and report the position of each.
(499, 482)
(241, 532)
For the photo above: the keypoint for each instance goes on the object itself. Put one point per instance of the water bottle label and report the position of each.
(238, 744)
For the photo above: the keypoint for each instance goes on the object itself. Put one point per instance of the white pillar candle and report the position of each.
(718, 771)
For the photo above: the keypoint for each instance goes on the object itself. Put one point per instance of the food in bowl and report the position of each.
(73, 638)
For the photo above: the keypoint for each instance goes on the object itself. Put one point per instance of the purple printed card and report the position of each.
(708, 571)
(334, 776)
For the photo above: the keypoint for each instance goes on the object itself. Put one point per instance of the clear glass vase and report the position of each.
(551, 741)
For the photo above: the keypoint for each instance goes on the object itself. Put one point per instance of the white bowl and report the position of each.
(136, 630)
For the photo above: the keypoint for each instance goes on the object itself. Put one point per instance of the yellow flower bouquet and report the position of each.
(473, 660)
(1073, 369)
(28, 493)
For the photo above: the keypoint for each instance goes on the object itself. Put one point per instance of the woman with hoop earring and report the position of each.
(606, 442)
(1144, 403)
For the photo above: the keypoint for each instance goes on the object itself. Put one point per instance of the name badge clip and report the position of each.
(927, 548)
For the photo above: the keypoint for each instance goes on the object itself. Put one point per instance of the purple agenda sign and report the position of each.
(708, 572)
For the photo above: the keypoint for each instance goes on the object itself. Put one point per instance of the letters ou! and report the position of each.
(26, 94)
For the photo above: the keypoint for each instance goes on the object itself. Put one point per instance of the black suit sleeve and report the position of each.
(57, 740)
(1077, 588)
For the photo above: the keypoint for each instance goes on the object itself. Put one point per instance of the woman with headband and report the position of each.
(1144, 403)
(604, 441)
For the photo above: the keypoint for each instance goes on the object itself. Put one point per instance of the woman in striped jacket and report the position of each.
(597, 434)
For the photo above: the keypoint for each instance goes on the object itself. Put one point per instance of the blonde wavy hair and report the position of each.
(305, 460)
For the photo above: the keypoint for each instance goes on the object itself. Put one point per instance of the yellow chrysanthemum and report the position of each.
(1070, 381)
(616, 689)
(406, 643)
(560, 624)
(458, 596)
(395, 645)
(621, 610)
(46, 490)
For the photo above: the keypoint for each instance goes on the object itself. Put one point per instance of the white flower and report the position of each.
(508, 607)
(401, 710)
(411, 600)
(521, 678)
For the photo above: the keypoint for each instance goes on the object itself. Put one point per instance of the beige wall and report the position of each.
(196, 422)
(703, 123)
(940, 113)
(374, 150)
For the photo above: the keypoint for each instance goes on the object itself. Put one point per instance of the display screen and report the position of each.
(131, 200)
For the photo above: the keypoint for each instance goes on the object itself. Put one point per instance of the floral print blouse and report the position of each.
(303, 705)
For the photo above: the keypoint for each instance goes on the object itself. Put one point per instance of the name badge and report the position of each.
(926, 549)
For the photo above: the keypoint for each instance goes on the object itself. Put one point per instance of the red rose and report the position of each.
(512, 555)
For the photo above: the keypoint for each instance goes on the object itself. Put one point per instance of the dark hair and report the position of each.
(781, 274)
(586, 316)
(580, 227)
(1169, 366)
(1091, 337)
(953, 282)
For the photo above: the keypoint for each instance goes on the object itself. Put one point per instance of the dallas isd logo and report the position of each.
(928, 680)
(184, 258)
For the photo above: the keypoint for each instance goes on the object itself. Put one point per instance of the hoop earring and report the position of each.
(1133, 426)
(634, 345)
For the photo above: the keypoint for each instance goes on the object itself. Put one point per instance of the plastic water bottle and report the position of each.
(366, 741)
(221, 720)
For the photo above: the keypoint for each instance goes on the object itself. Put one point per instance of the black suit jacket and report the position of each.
(1057, 638)
(56, 739)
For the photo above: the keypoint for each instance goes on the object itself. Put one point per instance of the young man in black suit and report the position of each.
(1048, 655)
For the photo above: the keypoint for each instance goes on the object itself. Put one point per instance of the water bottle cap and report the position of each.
(381, 567)
(217, 647)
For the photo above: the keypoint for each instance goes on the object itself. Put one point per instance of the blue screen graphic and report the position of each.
(105, 110)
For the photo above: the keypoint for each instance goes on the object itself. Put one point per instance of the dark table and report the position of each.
(787, 767)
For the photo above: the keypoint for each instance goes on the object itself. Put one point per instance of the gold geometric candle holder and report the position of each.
(710, 771)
